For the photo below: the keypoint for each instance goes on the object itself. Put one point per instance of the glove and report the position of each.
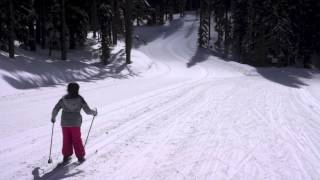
(53, 120)
(95, 112)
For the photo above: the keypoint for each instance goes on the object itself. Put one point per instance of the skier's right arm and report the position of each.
(55, 110)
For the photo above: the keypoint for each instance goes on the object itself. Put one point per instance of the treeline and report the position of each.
(64, 24)
(271, 32)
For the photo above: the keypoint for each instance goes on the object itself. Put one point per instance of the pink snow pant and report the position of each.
(72, 140)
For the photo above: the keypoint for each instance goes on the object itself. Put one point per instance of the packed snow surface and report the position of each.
(178, 112)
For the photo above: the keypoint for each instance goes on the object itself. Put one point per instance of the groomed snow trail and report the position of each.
(191, 116)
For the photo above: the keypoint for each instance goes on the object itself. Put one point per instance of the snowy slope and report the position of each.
(178, 113)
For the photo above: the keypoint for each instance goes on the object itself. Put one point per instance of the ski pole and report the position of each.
(89, 131)
(50, 160)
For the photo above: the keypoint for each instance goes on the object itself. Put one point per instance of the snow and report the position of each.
(178, 112)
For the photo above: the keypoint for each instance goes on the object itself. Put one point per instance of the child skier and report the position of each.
(71, 120)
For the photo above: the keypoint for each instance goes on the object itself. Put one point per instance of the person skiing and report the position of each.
(71, 121)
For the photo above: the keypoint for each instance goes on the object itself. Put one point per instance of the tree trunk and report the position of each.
(38, 24)
(72, 40)
(63, 32)
(43, 23)
(105, 20)
(32, 42)
(104, 46)
(128, 29)
(38, 31)
(11, 29)
(110, 31)
(162, 12)
(170, 9)
(94, 18)
(226, 31)
(32, 35)
(115, 22)
(182, 4)
(205, 25)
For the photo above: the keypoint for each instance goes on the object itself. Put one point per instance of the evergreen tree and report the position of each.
(171, 9)
(115, 21)
(77, 21)
(267, 32)
(24, 19)
(10, 24)
(160, 12)
(204, 28)
(139, 11)
(53, 26)
(105, 14)
(31, 25)
(63, 32)
(240, 23)
(182, 7)
(221, 10)
(128, 29)
(41, 10)
(94, 18)
(4, 40)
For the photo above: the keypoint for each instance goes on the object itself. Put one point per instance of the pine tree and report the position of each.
(128, 29)
(77, 21)
(105, 14)
(53, 26)
(42, 20)
(5, 23)
(138, 11)
(218, 10)
(160, 14)
(221, 9)
(227, 26)
(115, 22)
(10, 24)
(24, 19)
(204, 28)
(31, 25)
(37, 8)
(182, 6)
(279, 33)
(239, 28)
(94, 18)
(171, 9)
(316, 11)
(63, 32)
(255, 38)
(3, 26)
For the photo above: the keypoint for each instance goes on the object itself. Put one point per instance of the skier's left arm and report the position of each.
(87, 109)
(56, 110)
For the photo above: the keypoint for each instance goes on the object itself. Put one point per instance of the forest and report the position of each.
(261, 33)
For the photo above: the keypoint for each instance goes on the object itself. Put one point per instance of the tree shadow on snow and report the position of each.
(290, 77)
(56, 173)
(286, 76)
(148, 34)
(26, 72)
(201, 55)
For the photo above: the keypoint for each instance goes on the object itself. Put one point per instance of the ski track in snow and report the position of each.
(214, 120)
